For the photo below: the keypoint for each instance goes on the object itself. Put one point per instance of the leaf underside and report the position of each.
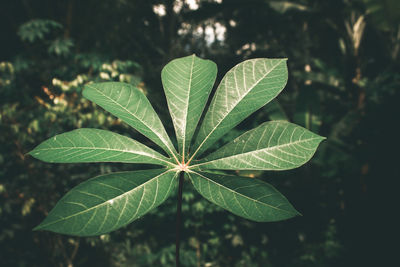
(187, 84)
(275, 145)
(130, 105)
(249, 198)
(244, 89)
(108, 202)
(94, 145)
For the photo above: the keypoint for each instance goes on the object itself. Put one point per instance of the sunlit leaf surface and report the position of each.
(130, 105)
(93, 145)
(187, 84)
(108, 202)
(244, 89)
(276, 145)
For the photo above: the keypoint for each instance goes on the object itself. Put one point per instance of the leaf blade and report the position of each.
(187, 83)
(245, 88)
(248, 198)
(108, 202)
(130, 105)
(276, 145)
(93, 145)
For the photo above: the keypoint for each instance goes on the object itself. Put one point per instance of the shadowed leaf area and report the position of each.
(251, 199)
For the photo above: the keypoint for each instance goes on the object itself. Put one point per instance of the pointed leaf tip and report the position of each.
(244, 89)
(108, 202)
(275, 145)
(130, 105)
(249, 198)
(187, 83)
(37, 228)
(94, 145)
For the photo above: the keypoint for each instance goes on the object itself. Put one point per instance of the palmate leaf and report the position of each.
(108, 202)
(130, 105)
(244, 89)
(275, 145)
(93, 145)
(249, 198)
(187, 84)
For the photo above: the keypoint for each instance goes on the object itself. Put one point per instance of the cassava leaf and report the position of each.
(130, 105)
(245, 88)
(93, 145)
(108, 202)
(276, 145)
(187, 84)
(249, 198)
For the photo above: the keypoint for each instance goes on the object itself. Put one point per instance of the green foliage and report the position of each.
(244, 89)
(383, 13)
(37, 29)
(27, 113)
(107, 202)
(41, 96)
(249, 198)
(276, 145)
(100, 205)
(93, 145)
(130, 105)
(187, 84)
(61, 47)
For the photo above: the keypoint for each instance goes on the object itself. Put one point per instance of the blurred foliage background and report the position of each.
(343, 84)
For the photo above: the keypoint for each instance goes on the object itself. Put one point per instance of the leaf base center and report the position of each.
(183, 167)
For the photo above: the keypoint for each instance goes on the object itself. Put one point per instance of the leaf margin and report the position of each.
(101, 133)
(293, 213)
(211, 160)
(161, 138)
(43, 226)
(199, 145)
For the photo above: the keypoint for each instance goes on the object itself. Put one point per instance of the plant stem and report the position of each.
(178, 217)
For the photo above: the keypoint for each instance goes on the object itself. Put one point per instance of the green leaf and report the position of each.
(108, 202)
(93, 145)
(244, 89)
(249, 198)
(130, 105)
(276, 145)
(187, 84)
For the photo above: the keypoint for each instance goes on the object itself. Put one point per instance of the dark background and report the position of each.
(343, 84)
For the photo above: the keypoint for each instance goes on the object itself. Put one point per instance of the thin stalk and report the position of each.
(178, 217)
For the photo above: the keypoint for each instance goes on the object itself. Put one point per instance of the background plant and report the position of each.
(338, 191)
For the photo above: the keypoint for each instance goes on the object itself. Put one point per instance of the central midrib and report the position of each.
(127, 110)
(244, 196)
(107, 149)
(187, 108)
(256, 150)
(105, 202)
(240, 99)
